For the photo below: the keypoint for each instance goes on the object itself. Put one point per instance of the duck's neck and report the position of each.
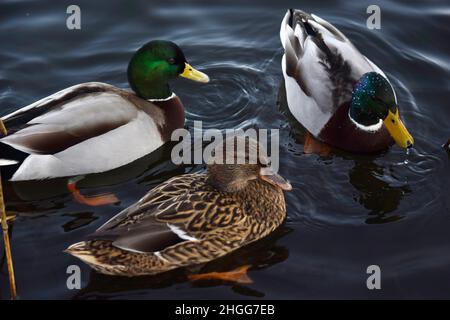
(367, 127)
(153, 90)
(159, 101)
(265, 206)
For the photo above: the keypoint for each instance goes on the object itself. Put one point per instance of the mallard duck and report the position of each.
(339, 95)
(189, 220)
(95, 127)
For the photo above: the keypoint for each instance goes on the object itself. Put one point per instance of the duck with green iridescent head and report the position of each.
(96, 127)
(339, 95)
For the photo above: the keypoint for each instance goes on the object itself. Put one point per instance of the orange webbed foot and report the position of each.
(312, 145)
(93, 201)
(238, 275)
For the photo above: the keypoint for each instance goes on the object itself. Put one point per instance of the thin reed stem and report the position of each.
(12, 281)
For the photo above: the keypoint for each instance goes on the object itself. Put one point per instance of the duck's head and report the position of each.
(239, 160)
(154, 64)
(374, 103)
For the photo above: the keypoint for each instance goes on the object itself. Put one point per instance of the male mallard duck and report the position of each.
(189, 220)
(95, 127)
(339, 95)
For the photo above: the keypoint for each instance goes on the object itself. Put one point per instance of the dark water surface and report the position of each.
(345, 212)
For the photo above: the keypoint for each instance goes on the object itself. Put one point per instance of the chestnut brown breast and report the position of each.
(342, 133)
(174, 116)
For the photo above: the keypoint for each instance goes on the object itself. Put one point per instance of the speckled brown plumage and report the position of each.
(141, 239)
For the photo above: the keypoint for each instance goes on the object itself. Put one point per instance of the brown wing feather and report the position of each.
(185, 203)
(148, 204)
(148, 235)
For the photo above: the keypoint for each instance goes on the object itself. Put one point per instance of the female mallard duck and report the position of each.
(189, 220)
(95, 127)
(340, 96)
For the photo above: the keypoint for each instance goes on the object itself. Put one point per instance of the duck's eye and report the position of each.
(171, 60)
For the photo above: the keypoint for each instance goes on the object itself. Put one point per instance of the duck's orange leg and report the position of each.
(312, 145)
(99, 200)
(238, 275)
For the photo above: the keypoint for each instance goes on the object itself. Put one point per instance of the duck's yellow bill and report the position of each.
(193, 74)
(398, 130)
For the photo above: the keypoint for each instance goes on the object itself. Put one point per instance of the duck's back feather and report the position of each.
(183, 208)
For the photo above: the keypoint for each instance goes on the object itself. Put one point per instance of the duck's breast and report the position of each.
(174, 116)
(342, 133)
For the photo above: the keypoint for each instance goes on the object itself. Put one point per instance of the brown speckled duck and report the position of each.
(189, 220)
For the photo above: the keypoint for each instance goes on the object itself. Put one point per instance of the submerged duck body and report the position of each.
(335, 92)
(95, 127)
(188, 220)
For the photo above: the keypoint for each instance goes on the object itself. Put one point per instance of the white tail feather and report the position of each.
(6, 162)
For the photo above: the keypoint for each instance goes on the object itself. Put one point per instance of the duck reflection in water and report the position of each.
(375, 193)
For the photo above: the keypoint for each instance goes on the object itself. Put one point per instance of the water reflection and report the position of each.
(80, 219)
(375, 193)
